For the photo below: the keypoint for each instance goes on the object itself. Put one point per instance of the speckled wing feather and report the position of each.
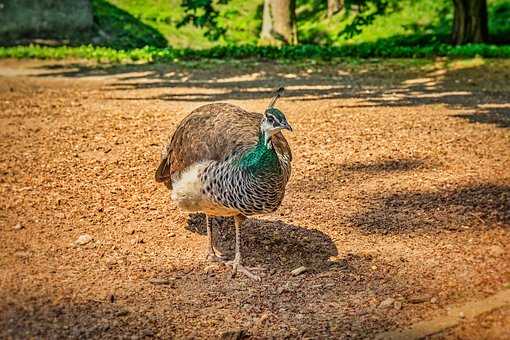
(212, 132)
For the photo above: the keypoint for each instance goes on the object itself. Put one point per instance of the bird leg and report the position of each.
(212, 255)
(236, 263)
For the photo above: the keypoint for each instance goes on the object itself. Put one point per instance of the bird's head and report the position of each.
(274, 120)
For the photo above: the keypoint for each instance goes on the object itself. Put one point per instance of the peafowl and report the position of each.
(225, 161)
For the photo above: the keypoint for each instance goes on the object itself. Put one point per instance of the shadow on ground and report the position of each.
(321, 179)
(71, 320)
(444, 83)
(450, 209)
(272, 244)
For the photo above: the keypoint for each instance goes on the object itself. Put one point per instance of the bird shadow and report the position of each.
(273, 244)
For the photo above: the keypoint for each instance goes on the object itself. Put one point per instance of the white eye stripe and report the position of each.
(273, 119)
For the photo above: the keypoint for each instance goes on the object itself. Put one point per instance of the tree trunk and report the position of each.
(279, 22)
(470, 22)
(267, 22)
(334, 6)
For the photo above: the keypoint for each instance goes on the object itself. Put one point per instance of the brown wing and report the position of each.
(212, 132)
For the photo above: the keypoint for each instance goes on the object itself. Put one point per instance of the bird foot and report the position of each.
(238, 267)
(215, 256)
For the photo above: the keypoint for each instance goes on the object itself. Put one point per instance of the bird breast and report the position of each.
(249, 193)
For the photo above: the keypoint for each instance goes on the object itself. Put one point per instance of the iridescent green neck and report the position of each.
(260, 158)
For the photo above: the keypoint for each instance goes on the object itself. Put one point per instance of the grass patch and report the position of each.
(152, 54)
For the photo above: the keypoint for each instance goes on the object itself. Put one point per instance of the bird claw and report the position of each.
(237, 267)
(216, 257)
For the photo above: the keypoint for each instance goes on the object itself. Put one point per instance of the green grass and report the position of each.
(240, 18)
(152, 54)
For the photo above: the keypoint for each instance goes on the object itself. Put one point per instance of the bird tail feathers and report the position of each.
(163, 172)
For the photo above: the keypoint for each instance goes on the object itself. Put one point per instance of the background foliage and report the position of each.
(240, 21)
(162, 30)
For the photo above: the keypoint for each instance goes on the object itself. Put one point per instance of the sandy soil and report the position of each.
(399, 202)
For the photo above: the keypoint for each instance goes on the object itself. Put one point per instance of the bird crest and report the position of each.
(273, 111)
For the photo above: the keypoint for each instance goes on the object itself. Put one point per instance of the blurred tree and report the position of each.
(334, 6)
(470, 22)
(201, 13)
(279, 22)
(366, 11)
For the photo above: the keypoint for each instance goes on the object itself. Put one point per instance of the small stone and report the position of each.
(496, 251)
(122, 313)
(397, 305)
(171, 235)
(433, 300)
(22, 254)
(419, 298)
(18, 226)
(137, 241)
(234, 335)
(211, 268)
(461, 315)
(374, 267)
(299, 270)
(158, 281)
(387, 303)
(83, 240)
(111, 261)
(263, 318)
(280, 290)
(148, 333)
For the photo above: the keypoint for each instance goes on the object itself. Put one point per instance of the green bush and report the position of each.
(147, 54)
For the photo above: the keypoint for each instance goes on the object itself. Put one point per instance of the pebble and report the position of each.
(22, 254)
(171, 235)
(18, 226)
(137, 240)
(111, 261)
(387, 303)
(148, 333)
(83, 240)
(234, 335)
(263, 318)
(158, 281)
(210, 268)
(433, 300)
(122, 313)
(397, 305)
(419, 298)
(496, 251)
(299, 270)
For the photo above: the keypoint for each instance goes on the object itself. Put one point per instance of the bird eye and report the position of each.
(270, 120)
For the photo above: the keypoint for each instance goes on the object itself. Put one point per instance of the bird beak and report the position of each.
(287, 126)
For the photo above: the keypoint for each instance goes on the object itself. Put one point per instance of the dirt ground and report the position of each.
(398, 205)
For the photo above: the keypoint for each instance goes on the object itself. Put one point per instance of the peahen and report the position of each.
(225, 161)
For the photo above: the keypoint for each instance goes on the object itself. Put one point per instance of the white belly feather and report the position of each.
(188, 195)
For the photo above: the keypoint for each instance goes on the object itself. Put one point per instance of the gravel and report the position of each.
(399, 188)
